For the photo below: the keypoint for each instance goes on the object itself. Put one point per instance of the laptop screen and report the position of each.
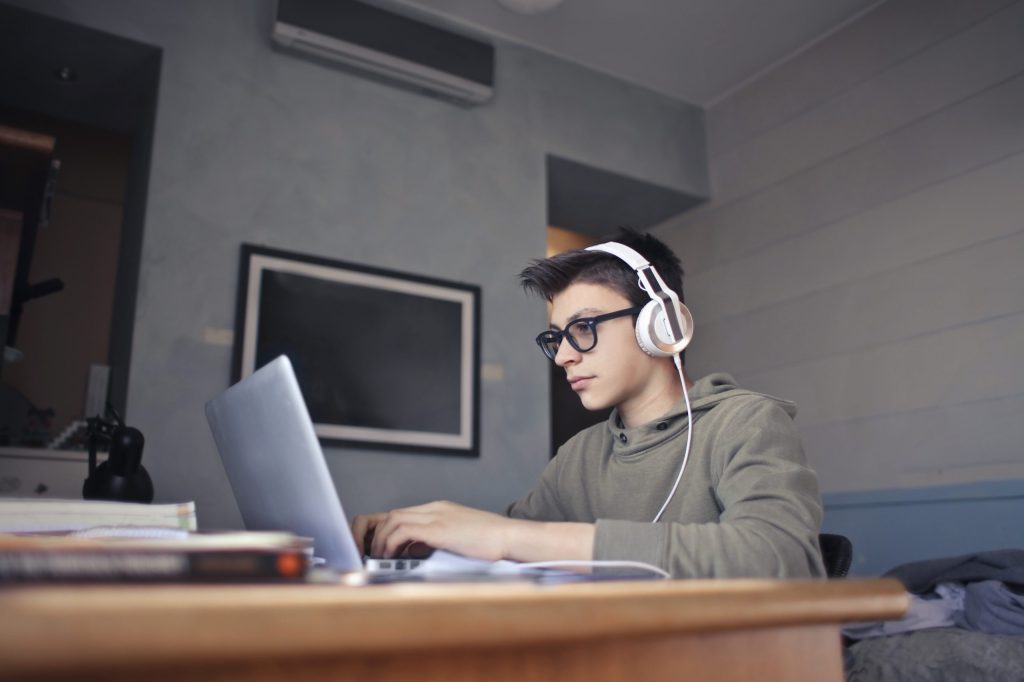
(273, 460)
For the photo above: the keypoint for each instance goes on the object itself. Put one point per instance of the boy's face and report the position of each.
(615, 372)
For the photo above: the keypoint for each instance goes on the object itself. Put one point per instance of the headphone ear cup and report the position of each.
(646, 329)
(686, 318)
(652, 331)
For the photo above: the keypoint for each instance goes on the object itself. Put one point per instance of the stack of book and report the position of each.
(32, 515)
(88, 541)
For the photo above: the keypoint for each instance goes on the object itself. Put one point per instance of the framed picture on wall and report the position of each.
(385, 359)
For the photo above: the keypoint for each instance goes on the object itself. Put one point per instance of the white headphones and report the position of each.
(665, 326)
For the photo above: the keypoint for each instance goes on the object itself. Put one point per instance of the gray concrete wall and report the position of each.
(864, 251)
(257, 146)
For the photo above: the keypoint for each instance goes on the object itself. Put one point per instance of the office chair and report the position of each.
(836, 553)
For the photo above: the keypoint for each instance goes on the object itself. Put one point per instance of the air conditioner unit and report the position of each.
(388, 45)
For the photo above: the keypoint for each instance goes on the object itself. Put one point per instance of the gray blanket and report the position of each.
(988, 587)
(936, 655)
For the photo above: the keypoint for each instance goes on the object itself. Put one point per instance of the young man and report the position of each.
(747, 504)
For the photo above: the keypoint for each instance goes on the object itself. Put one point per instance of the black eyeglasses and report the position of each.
(581, 333)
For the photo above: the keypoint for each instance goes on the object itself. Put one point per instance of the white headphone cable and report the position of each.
(689, 436)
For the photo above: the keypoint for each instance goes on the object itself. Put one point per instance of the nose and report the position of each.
(566, 355)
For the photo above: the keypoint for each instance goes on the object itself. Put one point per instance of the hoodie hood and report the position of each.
(705, 394)
(714, 388)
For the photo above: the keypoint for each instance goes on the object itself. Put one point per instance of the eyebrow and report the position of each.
(583, 312)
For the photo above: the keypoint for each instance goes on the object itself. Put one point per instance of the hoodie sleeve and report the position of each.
(771, 509)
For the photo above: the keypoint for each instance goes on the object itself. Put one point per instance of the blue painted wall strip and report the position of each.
(967, 491)
(896, 526)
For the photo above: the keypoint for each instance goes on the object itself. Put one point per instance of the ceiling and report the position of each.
(697, 51)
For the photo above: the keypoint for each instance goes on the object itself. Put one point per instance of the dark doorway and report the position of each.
(71, 304)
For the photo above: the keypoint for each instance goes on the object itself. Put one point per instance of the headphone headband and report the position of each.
(632, 258)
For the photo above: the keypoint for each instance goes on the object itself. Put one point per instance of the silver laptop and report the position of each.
(277, 471)
(275, 465)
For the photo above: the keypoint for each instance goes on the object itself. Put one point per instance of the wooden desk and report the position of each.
(639, 631)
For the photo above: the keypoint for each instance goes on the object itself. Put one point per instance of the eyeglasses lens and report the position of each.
(549, 344)
(583, 334)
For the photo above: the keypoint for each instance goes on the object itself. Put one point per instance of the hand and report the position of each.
(442, 525)
(363, 529)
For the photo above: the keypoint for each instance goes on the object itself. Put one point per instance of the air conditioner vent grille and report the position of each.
(399, 37)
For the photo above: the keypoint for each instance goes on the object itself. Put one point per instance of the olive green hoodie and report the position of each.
(747, 506)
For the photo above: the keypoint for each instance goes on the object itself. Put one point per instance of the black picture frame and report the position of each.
(385, 359)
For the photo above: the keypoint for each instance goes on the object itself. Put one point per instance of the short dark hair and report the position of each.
(547, 277)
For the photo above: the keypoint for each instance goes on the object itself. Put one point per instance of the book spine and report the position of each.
(152, 566)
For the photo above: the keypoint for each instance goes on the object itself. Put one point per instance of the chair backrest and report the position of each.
(836, 553)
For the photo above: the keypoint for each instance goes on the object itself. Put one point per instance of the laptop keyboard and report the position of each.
(378, 565)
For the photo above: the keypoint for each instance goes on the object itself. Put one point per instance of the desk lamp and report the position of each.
(122, 477)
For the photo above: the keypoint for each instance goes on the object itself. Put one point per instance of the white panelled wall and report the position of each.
(864, 250)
